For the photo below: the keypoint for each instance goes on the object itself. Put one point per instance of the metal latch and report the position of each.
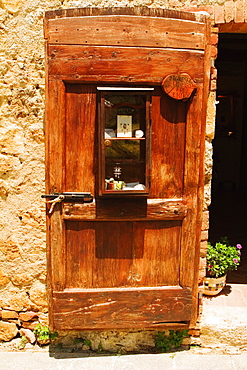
(67, 197)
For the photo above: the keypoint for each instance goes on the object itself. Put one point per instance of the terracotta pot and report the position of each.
(213, 285)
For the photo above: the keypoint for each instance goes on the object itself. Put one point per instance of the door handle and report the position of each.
(67, 197)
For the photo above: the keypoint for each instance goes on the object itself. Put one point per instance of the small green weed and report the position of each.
(23, 342)
(100, 348)
(174, 339)
(43, 334)
(87, 342)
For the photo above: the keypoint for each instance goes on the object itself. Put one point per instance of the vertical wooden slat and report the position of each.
(55, 163)
(168, 143)
(156, 253)
(80, 254)
(80, 138)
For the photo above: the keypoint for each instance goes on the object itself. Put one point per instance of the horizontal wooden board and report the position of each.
(127, 30)
(121, 308)
(126, 209)
(91, 63)
(121, 254)
(135, 10)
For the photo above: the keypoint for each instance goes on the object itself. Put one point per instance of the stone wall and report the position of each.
(23, 301)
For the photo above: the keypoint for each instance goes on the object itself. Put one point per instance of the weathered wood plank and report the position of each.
(126, 253)
(122, 308)
(126, 209)
(79, 145)
(80, 255)
(168, 146)
(192, 183)
(55, 118)
(127, 31)
(137, 10)
(91, 63)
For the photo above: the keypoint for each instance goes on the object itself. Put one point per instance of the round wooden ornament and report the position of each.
(178, 86)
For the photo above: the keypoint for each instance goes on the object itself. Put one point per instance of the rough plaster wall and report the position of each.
(22, 175)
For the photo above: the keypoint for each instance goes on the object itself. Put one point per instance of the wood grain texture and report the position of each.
(125, 262)
(55, 120)
(178, 86)
(122, 253)
(121, 308)
(137, 10)
(126, 209)
(168, 146)
(80, 129)
(127, 30)
(106, 63)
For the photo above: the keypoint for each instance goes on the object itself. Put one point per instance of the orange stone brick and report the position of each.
(239, 13)
(27, 316)
(203, 248)
(219, 14)
(214, 52)
(213, 85)
(204, 235)
(229, 11)
(205, 220)
(214, 39)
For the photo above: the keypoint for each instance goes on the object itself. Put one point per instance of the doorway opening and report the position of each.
(228, 209)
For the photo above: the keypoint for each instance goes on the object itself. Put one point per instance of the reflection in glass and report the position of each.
(124, 141)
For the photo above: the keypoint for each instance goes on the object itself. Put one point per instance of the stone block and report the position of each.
(28, 315)
(4, 189)
(239, 11)
(219, 16)
(214, 39)
(14, 299)
(38, 296)
(211, 113)
(213, 72)
(213, 85)
(4, 280)
(6, 314)
(8, 163)
(7, 331)
(12, 142)
(205, 220)
(229, 11)
(194, 332)
(13, 6)
(204, 235)
(10, 249)
(214, 52)
(203, 248)
(28, 334)
(29, 324)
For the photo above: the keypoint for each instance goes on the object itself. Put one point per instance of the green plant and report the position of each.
(87, 342)
(23, 342)
(43, 333)
(174, 339)
(100, 348)
(222, 257)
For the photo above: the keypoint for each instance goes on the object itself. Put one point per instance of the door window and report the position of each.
(124, 137)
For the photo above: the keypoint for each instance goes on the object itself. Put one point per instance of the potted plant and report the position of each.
(221, 258)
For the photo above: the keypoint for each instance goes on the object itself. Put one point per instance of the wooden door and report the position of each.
(128, 259)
